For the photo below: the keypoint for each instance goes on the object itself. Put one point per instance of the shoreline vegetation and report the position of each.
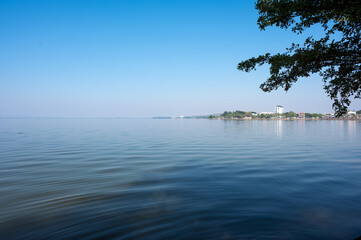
(287, 116)
(351, 115)
(250, 115)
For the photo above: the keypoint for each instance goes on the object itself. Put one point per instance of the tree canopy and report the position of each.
(336, 56)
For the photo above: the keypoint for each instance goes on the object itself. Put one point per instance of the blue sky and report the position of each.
(140, 59)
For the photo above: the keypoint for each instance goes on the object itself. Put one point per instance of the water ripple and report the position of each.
(179, 179)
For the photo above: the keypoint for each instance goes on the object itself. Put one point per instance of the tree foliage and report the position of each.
(235, 114)
(290, 114)
(336, 56)
(313, 115)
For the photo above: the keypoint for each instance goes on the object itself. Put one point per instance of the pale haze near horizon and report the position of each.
(141, 59)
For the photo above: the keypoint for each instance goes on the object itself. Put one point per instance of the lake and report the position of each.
(179, 179)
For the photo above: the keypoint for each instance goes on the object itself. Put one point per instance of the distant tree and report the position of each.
(308, 115)
(290, 114)
(336, 56)
(235, 114)
(224, 114)
(264, 116)
(313, 115)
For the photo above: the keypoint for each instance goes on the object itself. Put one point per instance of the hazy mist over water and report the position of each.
(179, 179)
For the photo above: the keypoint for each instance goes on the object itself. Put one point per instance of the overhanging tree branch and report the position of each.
(338, 62)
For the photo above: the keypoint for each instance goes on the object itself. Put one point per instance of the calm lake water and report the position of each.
(179, 179)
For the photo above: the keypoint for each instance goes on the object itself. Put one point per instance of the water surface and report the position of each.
(179, 179)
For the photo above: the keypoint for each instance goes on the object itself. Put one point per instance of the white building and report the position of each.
(279, 109)
(266, 113)
(351, 113)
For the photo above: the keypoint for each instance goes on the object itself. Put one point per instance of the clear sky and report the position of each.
(131, 58)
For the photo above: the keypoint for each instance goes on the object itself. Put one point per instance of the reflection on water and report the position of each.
(278, 128)
(179, 179)
(351, 127)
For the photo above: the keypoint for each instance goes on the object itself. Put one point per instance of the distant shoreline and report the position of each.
(267, 119)
(288, 119)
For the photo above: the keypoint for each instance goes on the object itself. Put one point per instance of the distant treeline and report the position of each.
(242, 114)
(237, 114)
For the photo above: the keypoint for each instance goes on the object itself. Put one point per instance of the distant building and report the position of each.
(279, 109)
(266, 113)
(301, 115)
(327, 115)
(349, 113)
